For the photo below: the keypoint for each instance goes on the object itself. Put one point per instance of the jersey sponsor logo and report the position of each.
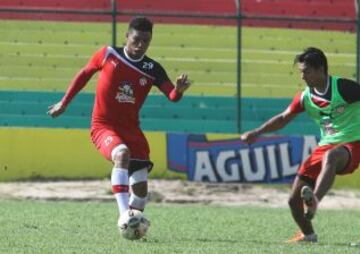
(148, 65)
(108, 140)
(125, 93)
(143, 81)
(340, 109)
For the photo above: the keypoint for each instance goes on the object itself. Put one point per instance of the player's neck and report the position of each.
(322, 85)
(132, 59)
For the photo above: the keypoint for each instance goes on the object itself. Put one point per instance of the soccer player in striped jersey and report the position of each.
(334, 103)
(126, 75)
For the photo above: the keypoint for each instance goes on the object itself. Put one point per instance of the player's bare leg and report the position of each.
(297, 210)
(334, 162)
(120, 177)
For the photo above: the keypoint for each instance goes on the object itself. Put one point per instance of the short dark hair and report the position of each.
(142, 24)
(313, 57)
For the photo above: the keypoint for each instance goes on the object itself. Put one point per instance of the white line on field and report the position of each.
(33, 78)
(217, 84)
(175, 59)
(185, 48)
(214, 72)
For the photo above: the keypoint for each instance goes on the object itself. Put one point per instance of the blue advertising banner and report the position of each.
(272, 159)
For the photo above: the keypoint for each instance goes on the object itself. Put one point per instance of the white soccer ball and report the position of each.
(133, 225)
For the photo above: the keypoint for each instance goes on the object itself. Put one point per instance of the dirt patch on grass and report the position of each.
(174, 191)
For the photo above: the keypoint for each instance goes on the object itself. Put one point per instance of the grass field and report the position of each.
(89, 227)
(46, 55)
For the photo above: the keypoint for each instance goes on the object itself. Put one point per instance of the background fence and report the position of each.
(231, 49)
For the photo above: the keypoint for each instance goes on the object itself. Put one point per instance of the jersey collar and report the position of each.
(131, 59)
(327, 88)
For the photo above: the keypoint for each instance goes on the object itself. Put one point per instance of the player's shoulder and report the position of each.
(346, 82)
(151, 62)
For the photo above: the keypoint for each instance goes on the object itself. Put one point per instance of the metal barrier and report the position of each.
(237, 17)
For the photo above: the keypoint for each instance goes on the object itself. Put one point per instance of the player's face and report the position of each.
(137, 43)
(310, 75)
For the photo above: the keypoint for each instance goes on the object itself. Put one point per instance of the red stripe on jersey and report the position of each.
(120, 188)
(296, 106)
(320, 102)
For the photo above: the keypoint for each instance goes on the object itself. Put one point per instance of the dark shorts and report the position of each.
(311, 168)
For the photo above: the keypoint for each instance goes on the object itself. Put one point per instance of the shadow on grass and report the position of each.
(211, 240)
(259, 242)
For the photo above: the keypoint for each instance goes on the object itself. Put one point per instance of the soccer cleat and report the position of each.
(310, 202)
(299, 237)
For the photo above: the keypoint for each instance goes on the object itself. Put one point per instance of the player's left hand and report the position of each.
(56, 109)
(182, 83)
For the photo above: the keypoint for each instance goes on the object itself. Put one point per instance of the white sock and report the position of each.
(137, 202)
(120, 188)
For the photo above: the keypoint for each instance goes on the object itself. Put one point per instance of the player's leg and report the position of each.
(138, 180)
(297, 212)
(113, 148)
(139, 189)
(139, 168)
(120, 176)
(306, 177)
(335, 161)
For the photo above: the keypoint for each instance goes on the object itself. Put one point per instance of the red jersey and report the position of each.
(122, 87)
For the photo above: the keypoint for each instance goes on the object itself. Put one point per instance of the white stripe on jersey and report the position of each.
(112, 51)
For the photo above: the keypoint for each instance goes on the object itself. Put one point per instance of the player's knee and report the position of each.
(121, 155)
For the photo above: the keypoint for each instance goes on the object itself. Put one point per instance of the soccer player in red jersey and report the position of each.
(126, 76)
(334, 104)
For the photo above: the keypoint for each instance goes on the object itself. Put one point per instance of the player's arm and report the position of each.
(78, 83)
(277, 122)
(175, 92)
(349, 90)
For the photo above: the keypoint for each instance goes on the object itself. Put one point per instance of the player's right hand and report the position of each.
(182, 83)
(249, 137)
(56, 109)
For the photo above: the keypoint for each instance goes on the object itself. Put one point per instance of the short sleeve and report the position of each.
(96, 61)
(296, 106)
(160, 75)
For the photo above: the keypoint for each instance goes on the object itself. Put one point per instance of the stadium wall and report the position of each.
(44, 153)
(54, 154)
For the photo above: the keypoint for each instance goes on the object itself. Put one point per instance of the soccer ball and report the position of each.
(133, 225)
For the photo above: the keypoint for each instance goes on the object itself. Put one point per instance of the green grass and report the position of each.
(46, 55)
(89, 227)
